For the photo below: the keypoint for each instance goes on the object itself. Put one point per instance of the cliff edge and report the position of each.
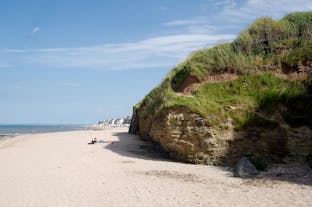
(251, 97)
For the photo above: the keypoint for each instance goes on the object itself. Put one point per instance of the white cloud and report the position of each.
(35, 30)
(186, 36)
(187, 22)
(252, 9)
(196, 25)
(220, 4)
(162, 51)
(230, 15)
(225, 4)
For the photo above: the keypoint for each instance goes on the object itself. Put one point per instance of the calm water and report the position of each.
(29, 129)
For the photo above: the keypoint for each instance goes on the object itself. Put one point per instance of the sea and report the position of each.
(9, 130)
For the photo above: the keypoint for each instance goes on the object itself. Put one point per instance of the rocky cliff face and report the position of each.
(251, 97)
(187, 137)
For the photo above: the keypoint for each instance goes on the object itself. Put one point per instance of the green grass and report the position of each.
(256, 53)
(179, 78)
(266, 44)
(237, 99)
(298, 56)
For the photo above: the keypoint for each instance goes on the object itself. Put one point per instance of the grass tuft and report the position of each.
(256, 53)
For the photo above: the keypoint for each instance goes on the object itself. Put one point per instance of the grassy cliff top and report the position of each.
(266, 48)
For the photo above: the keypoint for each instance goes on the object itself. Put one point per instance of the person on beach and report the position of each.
(94, 140)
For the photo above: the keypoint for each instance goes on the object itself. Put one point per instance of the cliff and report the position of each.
(251, 97)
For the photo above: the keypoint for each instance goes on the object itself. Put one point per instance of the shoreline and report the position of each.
(61, 169)
(84, 128)
(7, 135)
(4, 137)
(17, 130)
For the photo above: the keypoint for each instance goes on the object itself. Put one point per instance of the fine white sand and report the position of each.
(61, 169)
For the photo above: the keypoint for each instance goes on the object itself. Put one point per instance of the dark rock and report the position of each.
(245, 169)
(309, 160)
(134, 124)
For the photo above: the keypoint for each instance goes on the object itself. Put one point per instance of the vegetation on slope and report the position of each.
(266, 47)
(236, 99)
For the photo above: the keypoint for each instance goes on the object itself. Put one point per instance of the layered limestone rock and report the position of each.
(187, 137)
(184, 135)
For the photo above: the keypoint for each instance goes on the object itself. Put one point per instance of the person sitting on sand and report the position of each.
(94, 140)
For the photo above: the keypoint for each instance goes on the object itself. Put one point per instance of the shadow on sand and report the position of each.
(292, 173)
(132, 146)
(269, 150)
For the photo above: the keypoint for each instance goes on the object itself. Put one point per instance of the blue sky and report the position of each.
(78, 61)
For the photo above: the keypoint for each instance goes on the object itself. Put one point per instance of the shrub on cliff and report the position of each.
(266, 46)
(302, 22)
(262, 46)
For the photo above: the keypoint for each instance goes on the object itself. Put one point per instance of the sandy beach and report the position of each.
(61, 169)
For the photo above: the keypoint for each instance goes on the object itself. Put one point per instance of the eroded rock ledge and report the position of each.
(187, 137)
